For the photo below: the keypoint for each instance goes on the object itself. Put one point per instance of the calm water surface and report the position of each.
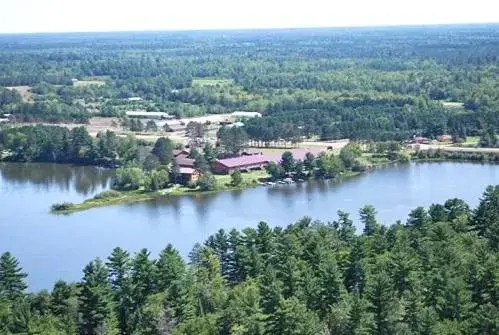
(52, 247)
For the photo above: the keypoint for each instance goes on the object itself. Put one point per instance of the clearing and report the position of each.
(84, 83)
(24, 91)
(199, 82)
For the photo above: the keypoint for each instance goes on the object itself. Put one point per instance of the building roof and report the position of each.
(246, 114)
(135, 99)
(147, 114)
(187, 170)
(183, 161)
(178, 152)
(243, 161)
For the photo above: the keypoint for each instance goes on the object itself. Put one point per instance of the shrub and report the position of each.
(107, 195)
(62, 206)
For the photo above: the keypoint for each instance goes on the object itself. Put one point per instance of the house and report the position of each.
(148, 115)
(245, 115)
(445, 138)
(420, 140)
(184, 161)
(189, 175)
(180, 152)
(228, 165)
(235, 124)
(174, 125)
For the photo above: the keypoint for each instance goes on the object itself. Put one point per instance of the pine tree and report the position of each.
(95, 300)
(170, 268)
(119, 267)
(12, 285)
(368, 218)
(293, 318)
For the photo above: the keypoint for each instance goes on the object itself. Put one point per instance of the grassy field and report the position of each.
(471, 141)
(24, 91)
(211, 82)
(448, 104)
(83, 83)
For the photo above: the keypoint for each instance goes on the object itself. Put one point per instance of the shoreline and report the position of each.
(250, 180)
(137, 196)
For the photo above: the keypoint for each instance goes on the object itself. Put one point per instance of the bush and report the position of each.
(236, 178)
(107, 195)
(62, 206)
(128, 178)
(207, 182)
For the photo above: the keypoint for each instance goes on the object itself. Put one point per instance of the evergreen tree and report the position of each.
(163, 149)
(368, 218)
(12, 285)
(95, 301)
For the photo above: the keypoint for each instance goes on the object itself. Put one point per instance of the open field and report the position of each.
(211, 82)
(448, 104)
(83, 83)
(24, 91)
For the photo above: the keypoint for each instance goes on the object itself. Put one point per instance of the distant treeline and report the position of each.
(60, 145)
(435, 273)
(362, 83)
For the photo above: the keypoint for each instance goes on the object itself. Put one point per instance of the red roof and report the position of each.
(184, 161)
(244, 161)
(187, 170)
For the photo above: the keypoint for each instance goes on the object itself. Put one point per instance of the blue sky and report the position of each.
(115, 15)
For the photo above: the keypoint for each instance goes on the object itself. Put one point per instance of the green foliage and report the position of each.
(156, 180)
(128, 178)
(232, 140)
(53, 144)
(12, 285)
(436, 274)
(163, 149)
(236, 178)
(62, 206)
(207, 182)
(276, 171)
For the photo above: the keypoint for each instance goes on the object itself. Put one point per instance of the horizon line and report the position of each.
(186, 30)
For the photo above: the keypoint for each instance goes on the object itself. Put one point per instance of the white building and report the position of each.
(246, 115)
(149, 115)
(135, 99)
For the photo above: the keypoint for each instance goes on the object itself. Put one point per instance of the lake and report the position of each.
(52, 247)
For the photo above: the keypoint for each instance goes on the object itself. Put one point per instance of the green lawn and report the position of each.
(212, 82)
(83, 83)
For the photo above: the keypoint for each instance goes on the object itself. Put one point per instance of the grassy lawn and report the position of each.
(471, 142)
(249, 178)
(211, 82)
(83, 83)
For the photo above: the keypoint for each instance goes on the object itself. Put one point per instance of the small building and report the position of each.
(245, 115)
(445, 138)
(135, 99)
(174, 125)
(235, 125)
(228, 165)
(180, 152)
(148, 115)
(189, 175)
(420, 140)
(184, 161)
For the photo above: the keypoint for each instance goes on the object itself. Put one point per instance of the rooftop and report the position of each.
(244, 160)
(187, 170)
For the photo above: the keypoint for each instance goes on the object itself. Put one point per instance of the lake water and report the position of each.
(52, 247)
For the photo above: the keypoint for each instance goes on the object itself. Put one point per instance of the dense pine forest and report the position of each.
(380, 84)
(435, 273)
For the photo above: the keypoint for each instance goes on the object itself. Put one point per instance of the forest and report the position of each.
(376, 83)
(435, 273)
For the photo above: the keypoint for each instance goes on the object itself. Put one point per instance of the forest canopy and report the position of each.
(435, 273)
(376, 83)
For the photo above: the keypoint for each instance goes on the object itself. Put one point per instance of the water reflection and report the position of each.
(85, 180)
